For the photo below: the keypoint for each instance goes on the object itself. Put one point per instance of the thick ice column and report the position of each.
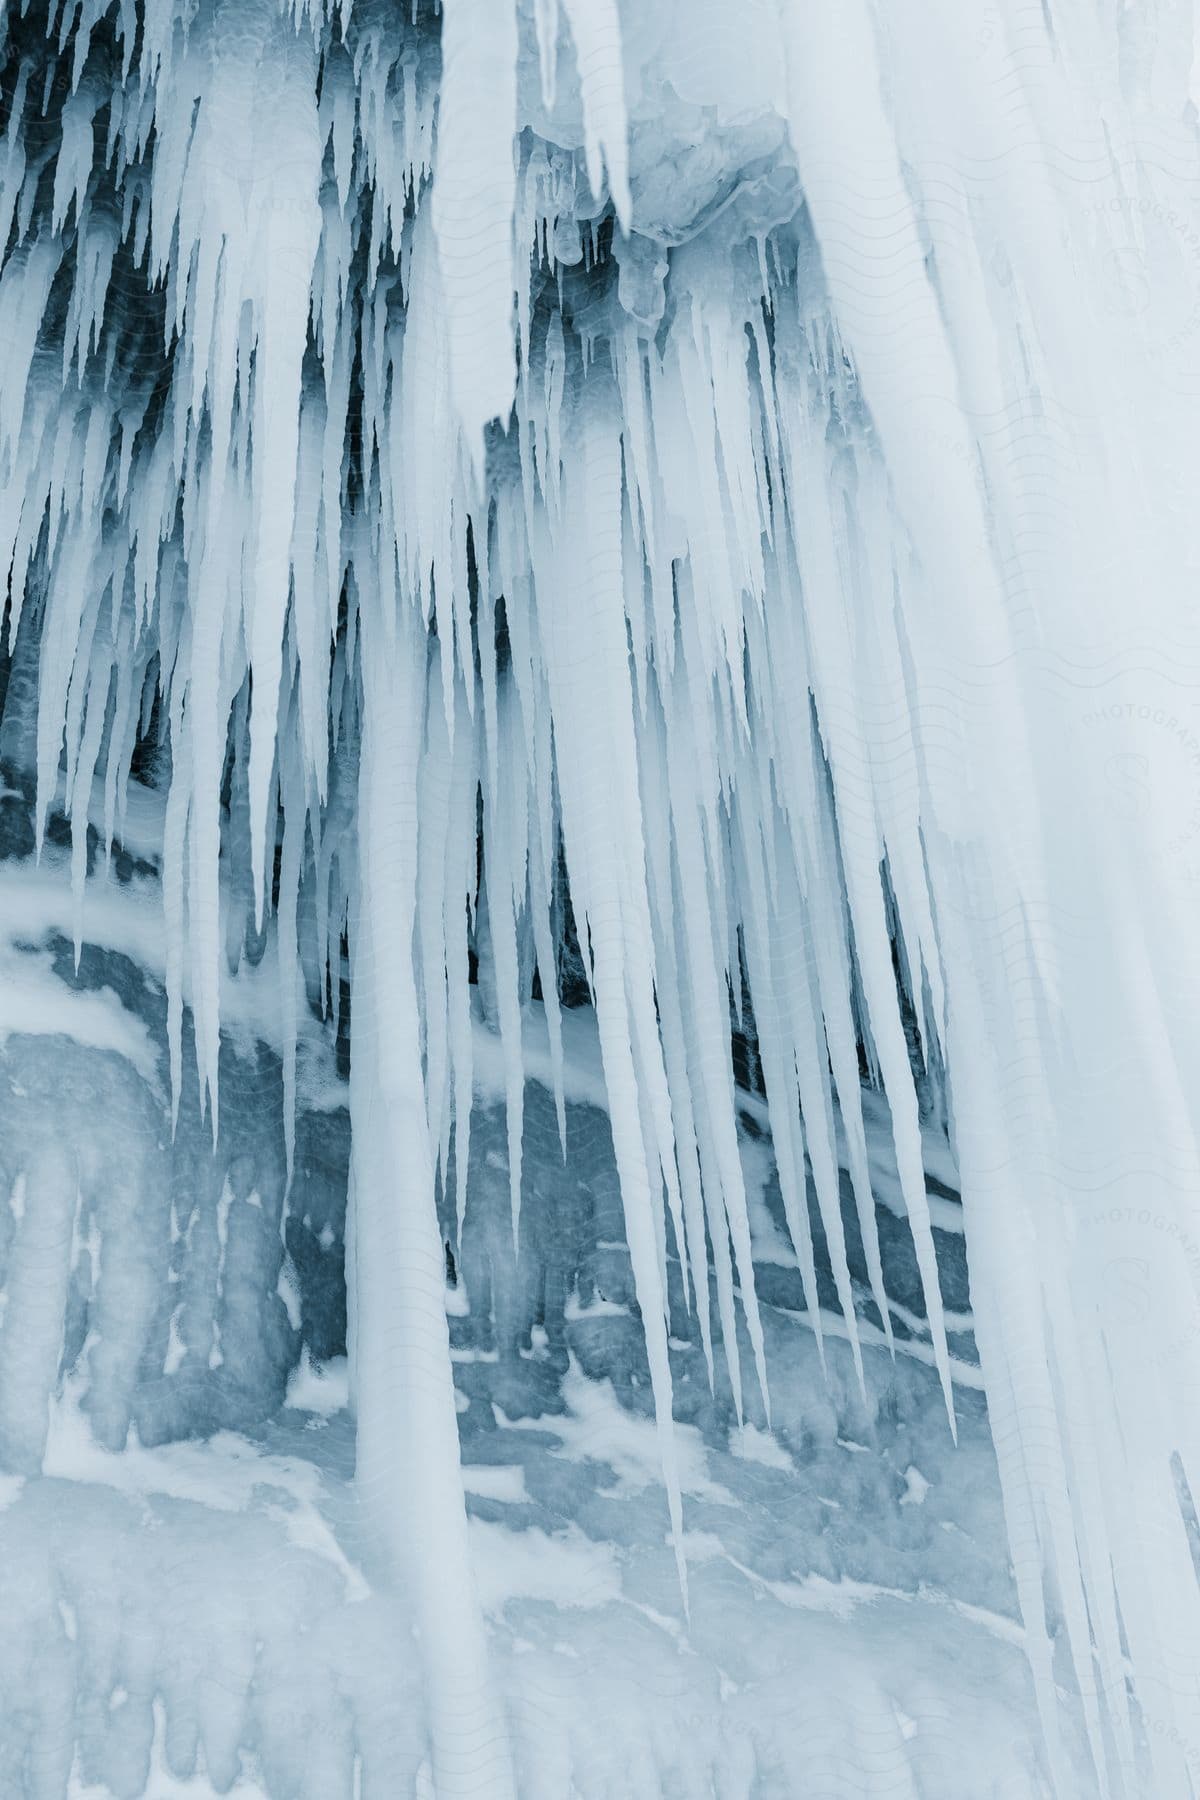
(408, 1459)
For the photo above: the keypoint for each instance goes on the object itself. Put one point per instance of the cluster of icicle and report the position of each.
(759, 572)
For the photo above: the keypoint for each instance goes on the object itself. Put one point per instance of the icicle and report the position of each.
(434, 829)
(503, 882)
(292, 800)
(81, 791)
(288, 255)
(474, 197)
(596, 29)
(174, 889)
(585, 640)
(779, 1071)
(459, 885)
(121, 737)
(707, 1016)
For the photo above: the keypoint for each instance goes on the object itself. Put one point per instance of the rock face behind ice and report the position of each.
(173, 1288)
(168, 1285)
(152, 1276)
(529, 1324)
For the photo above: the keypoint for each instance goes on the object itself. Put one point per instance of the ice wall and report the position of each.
(705, 486)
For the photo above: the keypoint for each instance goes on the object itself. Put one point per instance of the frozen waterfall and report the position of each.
(599, 849)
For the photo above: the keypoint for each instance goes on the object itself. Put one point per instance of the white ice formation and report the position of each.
(697, 501)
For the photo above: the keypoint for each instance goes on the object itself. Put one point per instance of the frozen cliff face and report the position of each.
(190, 1597)
(192, 1603)
(687, 509)
(190, 1594)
